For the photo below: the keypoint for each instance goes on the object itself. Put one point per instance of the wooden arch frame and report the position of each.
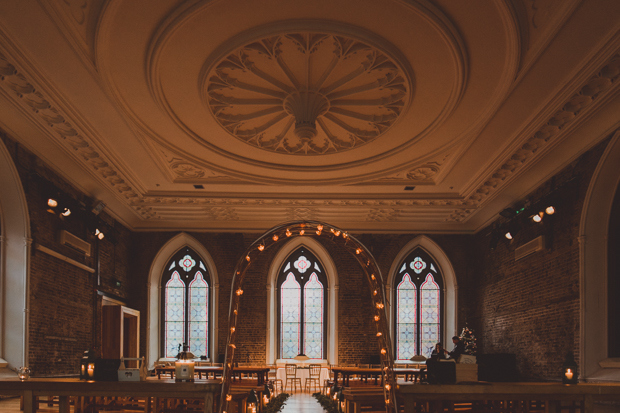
(375, 281)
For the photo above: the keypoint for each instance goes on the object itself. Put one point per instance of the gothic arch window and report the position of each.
(301, 300)
(418, 299)
(185, 302)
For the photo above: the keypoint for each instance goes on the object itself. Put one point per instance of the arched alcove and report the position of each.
(153, 331)
(449, 278)
(15, 265)
(332, 299)
(593, 235)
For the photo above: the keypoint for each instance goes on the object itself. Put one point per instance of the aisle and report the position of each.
(302, 403)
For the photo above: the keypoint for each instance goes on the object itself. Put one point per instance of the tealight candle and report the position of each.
(569, 374)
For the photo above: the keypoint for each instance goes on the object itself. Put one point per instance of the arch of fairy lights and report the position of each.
(367, 262)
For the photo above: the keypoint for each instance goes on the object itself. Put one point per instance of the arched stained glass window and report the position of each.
(301, 299)
(417, 313)
(185, 303)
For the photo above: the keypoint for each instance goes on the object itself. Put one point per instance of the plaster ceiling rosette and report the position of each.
(307, 93)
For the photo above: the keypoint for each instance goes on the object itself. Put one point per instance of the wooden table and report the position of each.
(260, 371)
(375, 372)
(434, 397)
(151, 388)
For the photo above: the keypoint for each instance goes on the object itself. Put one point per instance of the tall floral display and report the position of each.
(467, 337)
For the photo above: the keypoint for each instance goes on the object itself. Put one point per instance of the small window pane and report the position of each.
(175, 314)
(290, 328)
(198, 309)
(313, 334)
(406, 322)
(430, 313)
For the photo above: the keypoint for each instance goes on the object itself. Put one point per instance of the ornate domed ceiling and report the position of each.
(375, 116)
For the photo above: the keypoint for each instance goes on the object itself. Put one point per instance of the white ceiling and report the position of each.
(472, 103)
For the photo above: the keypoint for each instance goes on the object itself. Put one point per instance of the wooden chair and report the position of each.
(329, 381)
(272, 376)
(313, 379)
(291, 376)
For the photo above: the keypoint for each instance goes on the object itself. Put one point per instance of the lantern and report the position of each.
(87, 365)
(341, 400)
(252, 402)
(334, 391)
(266, 394)
(184, 366)
(569, 370)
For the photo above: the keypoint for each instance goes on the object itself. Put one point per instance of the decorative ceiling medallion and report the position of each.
(307, 93)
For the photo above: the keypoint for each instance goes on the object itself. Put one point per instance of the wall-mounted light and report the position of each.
(538, 217)
(509, 235)
(99, 234)
(550, 210)
(65, 212)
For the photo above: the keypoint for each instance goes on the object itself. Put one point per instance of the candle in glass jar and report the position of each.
(91, 370)
(569, 374)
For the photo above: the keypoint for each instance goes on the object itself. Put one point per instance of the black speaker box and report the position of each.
(500, 367)
(440, 372)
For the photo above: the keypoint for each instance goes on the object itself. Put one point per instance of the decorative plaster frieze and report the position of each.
(346, 94)
(65, 131)
(425, 173)
(182, 170)
(593, 89)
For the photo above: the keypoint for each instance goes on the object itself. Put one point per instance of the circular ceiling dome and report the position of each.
(307, 93)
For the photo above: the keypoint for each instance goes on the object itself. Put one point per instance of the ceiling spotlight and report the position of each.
(65, 212)
(52, 203)
(99, 234)
(537, 217)
(508, 235)
(550, 210)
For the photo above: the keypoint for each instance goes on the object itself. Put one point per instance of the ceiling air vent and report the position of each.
(66, 238)
(537, 244)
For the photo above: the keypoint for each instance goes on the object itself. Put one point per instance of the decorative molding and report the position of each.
(182, 170)
(594, 88)
(65, 131)
(347, 93)
(425, 173)
(77, 9)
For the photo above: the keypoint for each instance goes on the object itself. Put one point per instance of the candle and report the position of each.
(91, 370)
(569, 374)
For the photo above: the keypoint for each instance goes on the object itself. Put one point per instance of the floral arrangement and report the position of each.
(467, 337)
(276, 404)
(327, 403)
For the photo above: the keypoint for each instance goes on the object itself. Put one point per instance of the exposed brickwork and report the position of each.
(531, 307)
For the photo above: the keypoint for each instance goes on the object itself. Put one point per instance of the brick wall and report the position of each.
(530, 307)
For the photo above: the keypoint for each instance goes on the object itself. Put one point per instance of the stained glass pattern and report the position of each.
(302, 264)
(175, 315)
(187, 263)
(418, 265)
(406, 321)
(198, 315)
(290, 301)
(429, 313)
(313, 317)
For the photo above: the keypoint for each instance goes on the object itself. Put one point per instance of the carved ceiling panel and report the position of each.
(307, 93)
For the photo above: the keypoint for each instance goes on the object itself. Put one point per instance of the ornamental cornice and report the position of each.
(63, 128)
(597, 86)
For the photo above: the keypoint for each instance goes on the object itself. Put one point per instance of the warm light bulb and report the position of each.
(345, 235)
(302, 232)
(66, 212)
(377, 318)
(508, 235)
(318, 232)
(374, 292)
(537, 217)
(550, 210)
(373, 277)
(232, 345)
(232, 329)
(388, 387)
(379, 334)
(379, 306)
(288, 232)
(357, 251)
(383, 351)
(228, 397)
(235, 312)
(261, 247)
(239, 291)
(52, 203)
(247, 258)
(275, 237)
(387, 401)
(319, 227)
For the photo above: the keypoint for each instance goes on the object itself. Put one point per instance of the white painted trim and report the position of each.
(154, 293)
(68, 260)
(15, 264)
(449, 278)
(332, 295)
(593, 245)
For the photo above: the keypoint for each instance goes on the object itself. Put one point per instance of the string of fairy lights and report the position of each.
(368, 264)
